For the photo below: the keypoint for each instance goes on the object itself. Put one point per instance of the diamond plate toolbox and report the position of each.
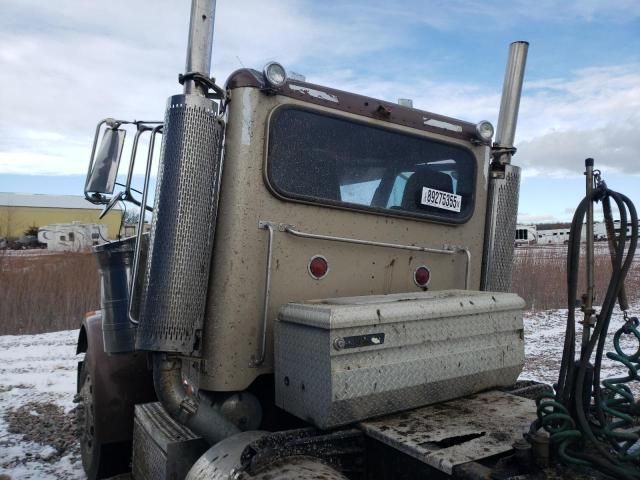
(342, 360)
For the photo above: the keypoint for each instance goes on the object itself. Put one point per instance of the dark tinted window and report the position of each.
(324, 159)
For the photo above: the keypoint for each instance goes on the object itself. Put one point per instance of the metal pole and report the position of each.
(510, 103)
(200, 43)
(588, 300)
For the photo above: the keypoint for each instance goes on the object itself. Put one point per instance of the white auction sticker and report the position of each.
(439, 199)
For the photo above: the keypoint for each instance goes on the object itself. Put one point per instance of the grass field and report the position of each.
(539, 275)
(46, 292)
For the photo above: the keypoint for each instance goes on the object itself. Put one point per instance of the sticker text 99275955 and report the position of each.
(439, 199)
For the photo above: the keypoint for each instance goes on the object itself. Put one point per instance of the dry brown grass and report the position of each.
(42, 292)
(539, 276)
(46, 292)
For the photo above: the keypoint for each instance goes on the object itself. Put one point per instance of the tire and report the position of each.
(98, 460)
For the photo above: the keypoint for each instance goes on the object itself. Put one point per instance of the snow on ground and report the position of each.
(544, 343)
(37, 386)
(38, 381)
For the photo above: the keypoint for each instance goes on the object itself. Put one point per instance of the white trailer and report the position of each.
(72, 237)
(555, 236)
(526, 235)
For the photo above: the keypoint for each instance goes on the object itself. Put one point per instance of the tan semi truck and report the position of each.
(322, 294)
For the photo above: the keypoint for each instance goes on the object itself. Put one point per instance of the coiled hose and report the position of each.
(588, 425)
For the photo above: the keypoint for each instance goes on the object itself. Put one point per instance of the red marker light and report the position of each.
(318, 267)
(422, 276)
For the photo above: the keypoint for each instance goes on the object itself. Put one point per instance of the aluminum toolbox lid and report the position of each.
(344, 312)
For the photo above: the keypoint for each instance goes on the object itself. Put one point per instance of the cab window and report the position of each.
(323, 159)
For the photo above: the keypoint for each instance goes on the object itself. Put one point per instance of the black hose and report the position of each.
(572, 387)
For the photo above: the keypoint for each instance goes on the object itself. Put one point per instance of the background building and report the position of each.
(21, 211)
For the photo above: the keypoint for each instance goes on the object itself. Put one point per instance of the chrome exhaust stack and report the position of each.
(504, 180)
(200, 44)
(186, 205)
(176, 276)
(510, 102)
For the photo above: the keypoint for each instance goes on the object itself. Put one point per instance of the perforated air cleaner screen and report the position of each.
(183, 227)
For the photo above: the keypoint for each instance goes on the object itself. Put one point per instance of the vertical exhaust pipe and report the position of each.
(182, 232)
(200, 44)
(186, 204)
(504, 181)
(510, 102)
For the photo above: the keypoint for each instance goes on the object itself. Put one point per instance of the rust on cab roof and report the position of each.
(357, 104)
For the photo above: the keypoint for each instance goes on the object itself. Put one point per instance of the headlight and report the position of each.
(484, 129)
(275, 74)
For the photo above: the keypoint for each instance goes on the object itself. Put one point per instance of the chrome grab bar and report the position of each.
(141, 128)
(283, 227)
(447, 250)
(259, 360)
(143, 201)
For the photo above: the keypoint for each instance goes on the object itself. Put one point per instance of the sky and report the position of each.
(67, 64)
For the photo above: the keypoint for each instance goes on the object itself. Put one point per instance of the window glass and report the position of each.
(325, 159)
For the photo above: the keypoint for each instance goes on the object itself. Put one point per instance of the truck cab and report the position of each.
(319, 262)
(328, 163)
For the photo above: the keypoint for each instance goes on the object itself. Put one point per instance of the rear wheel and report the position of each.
(99, 460)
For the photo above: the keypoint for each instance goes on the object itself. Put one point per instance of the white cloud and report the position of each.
(499, 13)
(65, 65)
(28, 162)
(531, 219)
(595, 113)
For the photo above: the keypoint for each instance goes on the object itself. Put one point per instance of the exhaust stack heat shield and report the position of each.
(183, 227)
(500, 231)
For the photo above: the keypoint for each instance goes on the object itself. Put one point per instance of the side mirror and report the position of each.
(104, 169)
